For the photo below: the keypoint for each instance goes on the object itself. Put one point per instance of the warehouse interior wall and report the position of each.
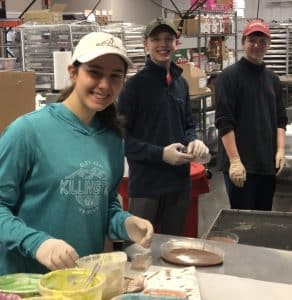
(141, 11)
(269, 10)
(15, 7)
(135, 11)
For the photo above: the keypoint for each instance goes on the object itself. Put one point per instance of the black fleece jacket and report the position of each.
(249, 101)
(157, 115)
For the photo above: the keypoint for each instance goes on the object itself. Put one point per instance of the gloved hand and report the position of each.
(173, 156)
(280, 160)
(139, 231)
(237, 172)
(197, 149)
(56, 254)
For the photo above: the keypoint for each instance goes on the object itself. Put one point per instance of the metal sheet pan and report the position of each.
(260, 228)
(277, 51)
(284, 41)
(273, 46)
(276, 56)
(278, 35)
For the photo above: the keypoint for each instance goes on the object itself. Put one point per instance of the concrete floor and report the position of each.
(211, 203)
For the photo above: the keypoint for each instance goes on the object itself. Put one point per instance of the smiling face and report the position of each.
(97, 85)
(255, 47)
(161, 45)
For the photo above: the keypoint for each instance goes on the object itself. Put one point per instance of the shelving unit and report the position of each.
(203, 27)
(279, 56)
(38, 42)
(223, 31)
(204, 116)
(132, 37)
(8, 50)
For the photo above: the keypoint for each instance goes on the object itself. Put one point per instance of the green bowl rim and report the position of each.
(21, 276)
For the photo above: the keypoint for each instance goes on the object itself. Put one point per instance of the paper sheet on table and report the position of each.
(184, 279)
(158, 277)
(217, 286)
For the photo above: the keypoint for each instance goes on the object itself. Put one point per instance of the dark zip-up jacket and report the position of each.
(249, 101)
(157, 115)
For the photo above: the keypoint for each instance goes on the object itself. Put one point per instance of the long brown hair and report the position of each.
(109, 117)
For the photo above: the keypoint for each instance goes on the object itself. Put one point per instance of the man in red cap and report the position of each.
(251, 120)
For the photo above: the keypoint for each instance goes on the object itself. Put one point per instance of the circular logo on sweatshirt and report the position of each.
(88, 186)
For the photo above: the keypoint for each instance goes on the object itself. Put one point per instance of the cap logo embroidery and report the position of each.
(110, 43)
(256, 24)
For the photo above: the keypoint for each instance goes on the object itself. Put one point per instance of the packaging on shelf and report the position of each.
(227, 25)
(219, 5)
(195, 77)
(205, 24)
(192, 25)
(7, 63)
(181, 56)
(45, 16)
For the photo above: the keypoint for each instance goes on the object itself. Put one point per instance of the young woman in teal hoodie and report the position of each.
(60, 168)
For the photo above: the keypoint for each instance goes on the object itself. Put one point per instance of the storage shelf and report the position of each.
(278, 57)
(38, 42)
(201, 36)
(133, 40)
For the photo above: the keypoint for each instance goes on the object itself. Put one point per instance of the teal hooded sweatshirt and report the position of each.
(58, 179)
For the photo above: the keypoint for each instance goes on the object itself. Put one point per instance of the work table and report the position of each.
(266, 264)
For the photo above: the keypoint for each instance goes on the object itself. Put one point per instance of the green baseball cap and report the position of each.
(151, 26)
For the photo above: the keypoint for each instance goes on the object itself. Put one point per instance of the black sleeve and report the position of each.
(135, 148)
(225, 96)
(282, 119)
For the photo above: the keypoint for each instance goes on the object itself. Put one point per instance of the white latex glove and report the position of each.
(173, 156)
(237, 172)
(56, 254)
(139, 231)
(197, 149)
(280, 160)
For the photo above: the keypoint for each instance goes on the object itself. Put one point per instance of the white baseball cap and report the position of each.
(96, 44)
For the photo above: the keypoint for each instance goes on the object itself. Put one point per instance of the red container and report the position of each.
(200, 185)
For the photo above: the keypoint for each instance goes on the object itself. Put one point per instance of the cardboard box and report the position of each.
(192, 26)
(46, 16)
(195, 77)
(17, 95)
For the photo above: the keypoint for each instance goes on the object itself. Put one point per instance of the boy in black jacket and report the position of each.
(156, 105)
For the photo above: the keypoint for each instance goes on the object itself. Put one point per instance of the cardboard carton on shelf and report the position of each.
(195, 77)
(53, 15)
(17, 95)
(192, 26)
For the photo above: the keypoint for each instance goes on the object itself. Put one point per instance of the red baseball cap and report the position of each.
(257, 25)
